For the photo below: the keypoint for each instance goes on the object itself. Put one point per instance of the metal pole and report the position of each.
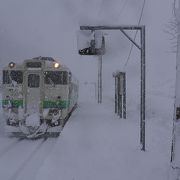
(142, 124)
(124, 95)
(116, 94)
(93, 28)
(120, 94)
(95, 90)
(100, 79)
(119, 97)
(174, 172)
(120, 106)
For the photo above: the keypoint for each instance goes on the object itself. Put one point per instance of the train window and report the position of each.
(33, 80)
(33, 64)
(9, 76)
(65, 77)
(55, 77)
(6, 79)
(70, 76)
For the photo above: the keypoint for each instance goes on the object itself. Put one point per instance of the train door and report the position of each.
(33, 92)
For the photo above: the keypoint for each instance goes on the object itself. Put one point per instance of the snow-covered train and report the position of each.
(38, 97)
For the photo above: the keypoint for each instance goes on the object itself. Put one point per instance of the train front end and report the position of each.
(35, 97)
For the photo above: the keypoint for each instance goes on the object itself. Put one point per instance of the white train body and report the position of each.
(38, 96)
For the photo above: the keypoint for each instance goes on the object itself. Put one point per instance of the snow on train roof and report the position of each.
(44, 58)
(48, 63)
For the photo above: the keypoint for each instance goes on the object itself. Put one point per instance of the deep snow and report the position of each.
(96, 144)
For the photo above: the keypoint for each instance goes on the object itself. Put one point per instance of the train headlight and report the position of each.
(11, 64)
(56, 65)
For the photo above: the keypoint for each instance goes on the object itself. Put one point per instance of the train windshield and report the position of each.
(33, 80)
(55, 77)
(10, 77)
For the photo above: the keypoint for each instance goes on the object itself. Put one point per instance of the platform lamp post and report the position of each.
(97, 50)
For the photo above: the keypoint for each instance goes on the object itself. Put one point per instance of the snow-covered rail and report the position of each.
(22, 159)
(9, 147)
(26, 161)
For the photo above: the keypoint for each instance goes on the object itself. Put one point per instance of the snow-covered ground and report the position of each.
(95, 143)
(21, 159)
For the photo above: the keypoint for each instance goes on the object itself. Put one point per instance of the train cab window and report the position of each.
(55, 77)
(33, 80)
(10, 76)
(70, 76)
(33, 64)
(65, 77)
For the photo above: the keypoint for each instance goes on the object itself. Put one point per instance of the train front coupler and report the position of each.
(32, 126)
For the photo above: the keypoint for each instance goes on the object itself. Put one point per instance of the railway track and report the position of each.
(9, 147)
(26, 161)
(21, 159)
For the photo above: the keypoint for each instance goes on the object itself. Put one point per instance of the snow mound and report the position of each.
(33, 120)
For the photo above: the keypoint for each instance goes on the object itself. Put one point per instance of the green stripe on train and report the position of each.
(14, 103)
(46, 104)
(55, 104)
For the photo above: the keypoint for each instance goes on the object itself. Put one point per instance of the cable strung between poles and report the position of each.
(132, 45)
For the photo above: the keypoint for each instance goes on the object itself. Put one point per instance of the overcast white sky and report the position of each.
(48, 28)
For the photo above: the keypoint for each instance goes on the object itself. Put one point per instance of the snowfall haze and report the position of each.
(95, 143)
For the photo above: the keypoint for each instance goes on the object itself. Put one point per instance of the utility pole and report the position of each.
(95, 49)
(143, 88)
(174, 173)
(175, 148)
(100, 79)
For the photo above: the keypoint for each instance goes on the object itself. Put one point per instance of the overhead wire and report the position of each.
(175, 3)
(132, 45)
(123, 7)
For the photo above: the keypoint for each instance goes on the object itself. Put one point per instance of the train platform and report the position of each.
(96, 144)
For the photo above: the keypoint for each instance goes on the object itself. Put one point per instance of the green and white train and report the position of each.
(38, 97)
